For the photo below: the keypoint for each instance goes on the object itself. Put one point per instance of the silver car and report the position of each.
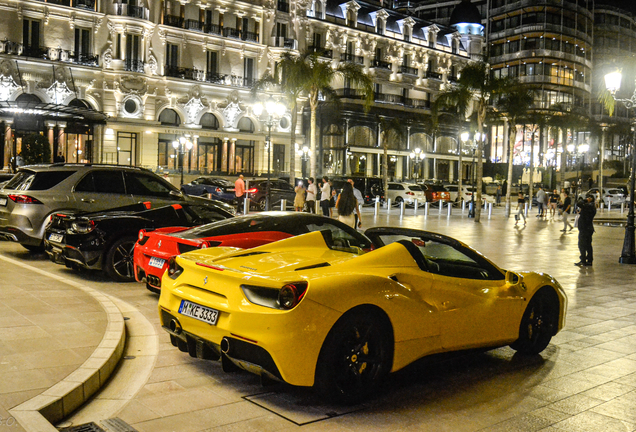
(36, 192)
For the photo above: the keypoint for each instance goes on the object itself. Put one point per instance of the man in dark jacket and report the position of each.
(587, 211)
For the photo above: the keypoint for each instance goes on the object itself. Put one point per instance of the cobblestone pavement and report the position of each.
(584, 381)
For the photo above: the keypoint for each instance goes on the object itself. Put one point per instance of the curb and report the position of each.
(39, 413)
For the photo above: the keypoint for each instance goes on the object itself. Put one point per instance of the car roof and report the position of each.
(75, 166)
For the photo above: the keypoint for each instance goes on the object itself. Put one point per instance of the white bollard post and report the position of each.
(449, 209)
(415, 206)
(525, 212)
(609, 206)
(402, 209)
(622, 207)
(463, 205)
(246, 205)
(489, 210)
(388, 205)
(426, 208)
(283, 205)
(440, 204)
(376, 206)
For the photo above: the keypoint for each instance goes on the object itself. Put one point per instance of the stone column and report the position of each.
(61, 139)
(224, 158)
(232, 157)
(51, 138)
(8, 142)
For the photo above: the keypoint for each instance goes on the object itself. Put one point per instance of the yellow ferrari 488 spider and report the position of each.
(316, 310)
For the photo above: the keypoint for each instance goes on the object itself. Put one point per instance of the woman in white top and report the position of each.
(325, 195)
(310, 201)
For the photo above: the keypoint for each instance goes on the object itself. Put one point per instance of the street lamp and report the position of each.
(304, 157)
(417, 156)
(628, 255)
(579, 152)
(181, 145)
(274, 110)
(473, 146)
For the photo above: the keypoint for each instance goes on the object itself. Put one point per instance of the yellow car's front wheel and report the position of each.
(355, 357)
(539, 322)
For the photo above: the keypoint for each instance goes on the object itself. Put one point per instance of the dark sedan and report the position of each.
(279, 190)
(219, 188)
(106, 240)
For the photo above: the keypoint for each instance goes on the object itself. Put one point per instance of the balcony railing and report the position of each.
(131, 11)
(417, 103)
(133, 65)
(408, 70)
(351, 58)
(321, 51)
(433, 75)
(283, 6)
(249, 36)
(381, 64)
(173, 21)
(46, 53)
(350, 93)
(184, 73)
(210, 77)
(85, 4)
(191, 24)
(213, 29)
(231, 32)
(388, 98)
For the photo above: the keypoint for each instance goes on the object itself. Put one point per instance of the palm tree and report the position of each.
(317, 81)
(390, 129)
(288, 75)
(513, 106)
(456, 102)
(476, 79)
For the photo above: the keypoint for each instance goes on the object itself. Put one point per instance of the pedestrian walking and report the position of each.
(310, 199)
(587, 211)
(541, 202)
(347, 206)
(239, 192)
(360, 201)
(553, 203)
(567, 208)
(299, 199)
(325, 196)
(521, 207)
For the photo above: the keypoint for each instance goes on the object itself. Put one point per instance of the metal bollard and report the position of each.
(376, 207)
(246, 206)
(622, 207)
(489, 210)
(440, 204)
(388, 205)
(426, 208)
(609, 205)
(525, 212)
(283, 205)
(402, 209)
(463, 205)
(415, 206)
(450, 209)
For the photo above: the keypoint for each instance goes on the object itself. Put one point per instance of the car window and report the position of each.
(204, 214)
(285, 186)
(339, 237)
(143, 184)
(101, 181)
(415, 188)
(43, 180)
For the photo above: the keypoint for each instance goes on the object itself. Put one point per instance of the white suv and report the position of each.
(405, 192)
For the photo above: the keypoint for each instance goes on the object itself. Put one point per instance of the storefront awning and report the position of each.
(48, 111)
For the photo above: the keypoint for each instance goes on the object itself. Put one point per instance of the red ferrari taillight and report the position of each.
(252, 190)
(291, 294)
(23, 199)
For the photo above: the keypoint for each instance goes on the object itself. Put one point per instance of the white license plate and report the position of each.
(3, 201)
(199, 312)
(56, 237)
(156, 262)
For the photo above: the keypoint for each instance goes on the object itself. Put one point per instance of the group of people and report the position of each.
(347, 204)
(554, 202)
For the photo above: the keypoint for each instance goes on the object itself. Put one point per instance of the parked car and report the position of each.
(29, 200)
(155, 248)
(279, 190)
(370, 187)
(219, 188)
(467, 193)
(105, 240)
(405, 192)
(4, 178)
(311, 313)
(453, 192)
(615, 196)
(435, 193)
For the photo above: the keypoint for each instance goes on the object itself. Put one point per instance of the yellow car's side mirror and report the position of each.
(513, 278)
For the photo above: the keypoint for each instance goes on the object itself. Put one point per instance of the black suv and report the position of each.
(278, 189)
(369, 186)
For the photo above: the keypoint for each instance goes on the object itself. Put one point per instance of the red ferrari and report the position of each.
(154, 249)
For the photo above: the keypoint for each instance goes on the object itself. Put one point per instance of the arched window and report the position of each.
(169, 117)
(27, 97)
(362, 136)
(246, 125)
(78, 103)
(446, 145)
(422, 141)
(209, 121)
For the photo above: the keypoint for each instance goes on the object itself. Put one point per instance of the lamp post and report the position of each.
(579, 152)
(274, 111)
(473, 146)
(417, 156)
(628, 254)
(304, 157)
(180, 146)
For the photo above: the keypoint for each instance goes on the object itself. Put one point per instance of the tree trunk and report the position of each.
(460, 168)
(385, 168)
(511, 154)
(312, 142)
(600, 164)
(292, 150)
(480, 171)
(531, 179)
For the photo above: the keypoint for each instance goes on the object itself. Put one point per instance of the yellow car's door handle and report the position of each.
(90, 201)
